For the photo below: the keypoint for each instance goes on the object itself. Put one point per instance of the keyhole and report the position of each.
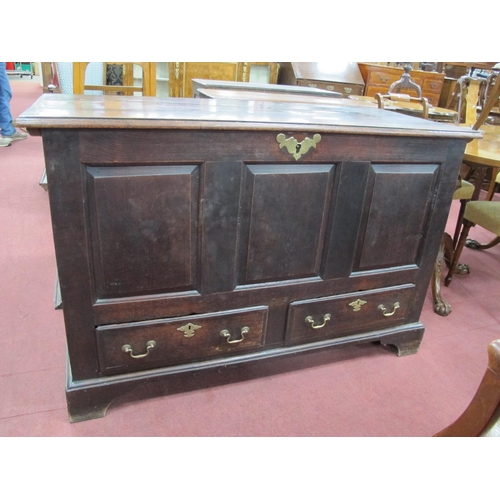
(297, 148)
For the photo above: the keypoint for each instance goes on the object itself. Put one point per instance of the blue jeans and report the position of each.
(5, 96)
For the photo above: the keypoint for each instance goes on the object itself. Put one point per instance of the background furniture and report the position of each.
(201, 84)
(412, 106)
(338, 77)
(194, 250)
(422, 109)
(464, 193)
(482, 416)
(181, 74)
(147, 87)
(378, 79)
(298, 97)
(21, 69)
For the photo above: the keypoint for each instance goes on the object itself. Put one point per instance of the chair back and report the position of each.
(382, 101)
(123, 70)
(405, 82)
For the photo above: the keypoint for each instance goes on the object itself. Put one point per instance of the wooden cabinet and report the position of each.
(200, 244)
(181, 74)
(344, 77)
(379, 78)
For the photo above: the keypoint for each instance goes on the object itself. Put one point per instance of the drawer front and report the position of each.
(432, 98)
(346, 89)
(432, 86)
(353, 313)
(167, 342)
(376, 89)
(381, 78)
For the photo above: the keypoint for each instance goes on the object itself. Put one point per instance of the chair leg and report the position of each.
(460, 219)
(493, 184)
(458, 251)
(440, 306)
(475, 245)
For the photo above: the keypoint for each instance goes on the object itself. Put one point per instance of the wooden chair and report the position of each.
(465, 98)
(383, 99)
(395, 95)
(148, 87)
(464, 193)
(482, 416)
(405, 82)
(495, 182)
(482, 213)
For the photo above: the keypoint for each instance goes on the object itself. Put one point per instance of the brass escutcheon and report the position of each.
(296, 148)
(357, 304)
(189, 330)
(382, 308)
(310, 320)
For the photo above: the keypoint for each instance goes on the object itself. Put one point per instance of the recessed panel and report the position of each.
(284, 216)
(143, 229)
(397, 203)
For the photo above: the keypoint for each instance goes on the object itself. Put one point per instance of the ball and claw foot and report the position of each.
(442, 308)
(461, 269)
(473, 244)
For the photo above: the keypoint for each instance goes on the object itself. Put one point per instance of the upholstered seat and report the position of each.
(485, 214)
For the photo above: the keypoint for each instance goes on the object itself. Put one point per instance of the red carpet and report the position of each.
(357, 391)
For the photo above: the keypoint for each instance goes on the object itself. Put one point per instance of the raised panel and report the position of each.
(397, 204)
(143, 224)
(284, 218)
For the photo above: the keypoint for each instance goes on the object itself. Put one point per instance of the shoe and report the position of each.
(4, 142)
(16, 136)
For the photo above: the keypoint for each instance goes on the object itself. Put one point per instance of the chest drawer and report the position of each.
(432, 86)
(344, 88)
(165, 342)
(330, 317)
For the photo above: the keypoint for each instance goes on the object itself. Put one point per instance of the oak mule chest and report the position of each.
(198, 241)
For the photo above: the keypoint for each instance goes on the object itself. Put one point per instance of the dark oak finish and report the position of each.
(191, 247)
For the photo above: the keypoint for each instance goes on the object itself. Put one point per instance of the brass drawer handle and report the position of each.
(310, 320)
(384, 310)
(225, 333)
(347, 90)
(128, 349)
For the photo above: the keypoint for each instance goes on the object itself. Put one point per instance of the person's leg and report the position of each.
(7, 129)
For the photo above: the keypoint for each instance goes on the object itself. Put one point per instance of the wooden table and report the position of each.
(481, 154)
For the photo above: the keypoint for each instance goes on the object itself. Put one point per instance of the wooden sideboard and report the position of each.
(200, 244)
(201, 84)
(344, 77)
(378, 79)
(181, 74)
